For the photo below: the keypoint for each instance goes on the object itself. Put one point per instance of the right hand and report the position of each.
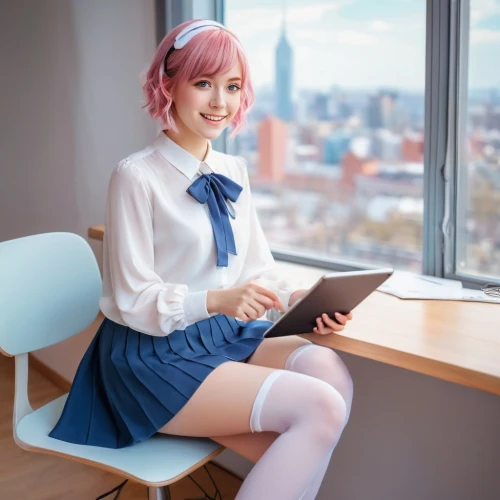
(246, 302)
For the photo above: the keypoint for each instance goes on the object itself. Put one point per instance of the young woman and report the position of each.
(188, 276)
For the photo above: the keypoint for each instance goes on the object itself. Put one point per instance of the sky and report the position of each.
(359, 44)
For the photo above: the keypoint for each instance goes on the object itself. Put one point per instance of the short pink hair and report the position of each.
(209, 53)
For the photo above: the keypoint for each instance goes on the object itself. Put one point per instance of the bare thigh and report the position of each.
(223, 403)
(274, 352)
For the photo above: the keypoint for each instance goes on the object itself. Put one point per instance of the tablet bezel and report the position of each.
(387, 272)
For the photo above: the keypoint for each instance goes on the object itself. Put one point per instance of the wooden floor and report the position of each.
(33, 476)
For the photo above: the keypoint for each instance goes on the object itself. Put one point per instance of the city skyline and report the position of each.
(358, 41)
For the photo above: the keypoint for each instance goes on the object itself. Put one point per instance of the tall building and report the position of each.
(335, 146)
(412, 148)
(357, 161)
(382, 110)
(284, 74)
(272, 149)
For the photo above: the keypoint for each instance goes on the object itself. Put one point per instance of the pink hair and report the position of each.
(209, 53)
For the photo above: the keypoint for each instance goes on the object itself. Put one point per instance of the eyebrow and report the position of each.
(234, 79)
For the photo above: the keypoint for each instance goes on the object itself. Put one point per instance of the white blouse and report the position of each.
(160, 255)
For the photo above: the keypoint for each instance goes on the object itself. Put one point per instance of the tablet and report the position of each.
(333, 292)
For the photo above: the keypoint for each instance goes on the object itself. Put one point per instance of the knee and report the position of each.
(324, 363)
(327, 411)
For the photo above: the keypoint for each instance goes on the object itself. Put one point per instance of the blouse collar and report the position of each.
(181, 159)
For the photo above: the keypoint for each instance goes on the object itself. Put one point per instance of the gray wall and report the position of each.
(70, 109)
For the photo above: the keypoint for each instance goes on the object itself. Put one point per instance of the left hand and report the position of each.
(325, 324)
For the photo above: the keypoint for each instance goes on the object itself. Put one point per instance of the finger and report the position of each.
(279, 306)
(261, 310)
(332, 324)
(349, 315)
(276, 304)
(321, 329)
(265, 301)
(252, 313)
(243, 317)
(266, 291)
(270, 304)
(326, 329)
(318, 327)
(340, 318)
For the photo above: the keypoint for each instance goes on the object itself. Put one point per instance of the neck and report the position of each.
(192, 143)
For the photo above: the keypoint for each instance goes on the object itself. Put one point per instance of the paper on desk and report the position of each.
(406, 285)
(478, 296)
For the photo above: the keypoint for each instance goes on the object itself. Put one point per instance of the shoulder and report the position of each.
(129, 175)
(133, 165)
(240, 163)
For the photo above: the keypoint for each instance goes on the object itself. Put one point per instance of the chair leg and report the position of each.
(161, 493)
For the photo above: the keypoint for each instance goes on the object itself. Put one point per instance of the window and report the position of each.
(335, 141)
(477, 248)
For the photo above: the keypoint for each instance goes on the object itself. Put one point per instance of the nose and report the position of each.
(218, 101)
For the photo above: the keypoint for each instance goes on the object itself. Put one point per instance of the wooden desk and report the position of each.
(451, 340)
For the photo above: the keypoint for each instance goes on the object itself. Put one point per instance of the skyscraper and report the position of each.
(272, 149)
(284, 73)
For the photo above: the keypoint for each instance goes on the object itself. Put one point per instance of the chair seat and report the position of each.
(157, 461)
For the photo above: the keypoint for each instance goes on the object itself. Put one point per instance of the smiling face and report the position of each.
(206, 105)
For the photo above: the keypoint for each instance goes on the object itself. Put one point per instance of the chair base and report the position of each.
(162, 493)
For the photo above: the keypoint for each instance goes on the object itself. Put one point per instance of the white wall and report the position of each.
(70, 109)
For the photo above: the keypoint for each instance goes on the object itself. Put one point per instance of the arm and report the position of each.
(259, 262)
(145, 302)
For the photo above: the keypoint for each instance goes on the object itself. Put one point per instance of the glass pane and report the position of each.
(334, 142)
(478, 205)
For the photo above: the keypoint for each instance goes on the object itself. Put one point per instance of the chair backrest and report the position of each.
(50, 287)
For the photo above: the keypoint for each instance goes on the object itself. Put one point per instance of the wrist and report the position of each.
(213, 301)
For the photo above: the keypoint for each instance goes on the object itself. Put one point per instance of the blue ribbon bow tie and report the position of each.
(216, 189)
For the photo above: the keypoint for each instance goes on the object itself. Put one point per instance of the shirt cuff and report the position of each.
(195, 307)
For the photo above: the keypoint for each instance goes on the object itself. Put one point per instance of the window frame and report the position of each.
(447, 29)
(457, 155)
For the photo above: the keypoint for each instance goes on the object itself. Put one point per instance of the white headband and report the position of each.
(188, 33)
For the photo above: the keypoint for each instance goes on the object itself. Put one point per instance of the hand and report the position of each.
(326, 325)
(246, 302)
(296, 295)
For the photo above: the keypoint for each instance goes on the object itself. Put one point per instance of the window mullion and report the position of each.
(436, 134)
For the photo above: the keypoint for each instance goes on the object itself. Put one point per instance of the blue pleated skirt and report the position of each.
(130, 384)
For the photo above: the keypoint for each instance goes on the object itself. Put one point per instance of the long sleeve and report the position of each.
(138, 294)
(259, 261)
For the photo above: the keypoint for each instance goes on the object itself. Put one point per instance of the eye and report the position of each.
(199, 84)
(236, 87)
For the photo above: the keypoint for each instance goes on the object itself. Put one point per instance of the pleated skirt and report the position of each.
(130, 384)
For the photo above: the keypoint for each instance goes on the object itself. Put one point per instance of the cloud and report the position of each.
(478, 36)
(250, 20)
(344, 37)
(481, 9)
(350, 37)
(379, 25)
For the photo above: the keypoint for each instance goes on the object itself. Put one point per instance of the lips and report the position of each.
(218, 120)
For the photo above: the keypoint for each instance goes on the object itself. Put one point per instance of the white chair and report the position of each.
(50, 286)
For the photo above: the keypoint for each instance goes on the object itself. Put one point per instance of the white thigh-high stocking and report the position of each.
(325, 364)
(309, 414)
